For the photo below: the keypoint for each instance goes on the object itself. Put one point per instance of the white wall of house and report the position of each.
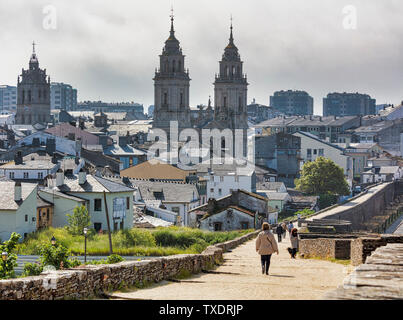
(28, 174)
(62, 207)
(221, 186)
(322, 149)
(15, 220)
(100, 216)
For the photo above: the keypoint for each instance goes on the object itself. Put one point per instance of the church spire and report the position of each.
(231, 37)
(172, 32)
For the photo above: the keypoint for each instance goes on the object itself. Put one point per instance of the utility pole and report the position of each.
(109, 227)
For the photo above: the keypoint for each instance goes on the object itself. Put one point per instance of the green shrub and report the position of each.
(79, 220)
(55, 255)
(9, 246)
(32, 269)
(114, 258)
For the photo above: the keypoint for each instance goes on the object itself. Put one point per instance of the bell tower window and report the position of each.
(29, 96)
(225, 101)
(173, 66)
(181, 99)
(23, 96)
(165, 98)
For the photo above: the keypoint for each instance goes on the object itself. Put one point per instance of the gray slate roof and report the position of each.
(93, 184)
(7, 201)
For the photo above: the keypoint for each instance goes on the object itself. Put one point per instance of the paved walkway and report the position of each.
(240, 278)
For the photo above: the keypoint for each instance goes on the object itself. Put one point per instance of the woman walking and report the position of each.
(266, 245)
(279, 231)
(294, 242)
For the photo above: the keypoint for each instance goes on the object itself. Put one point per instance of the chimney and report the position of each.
(59, 178)
(18, 158)
(82, 177)
(17, 192)
(123, 141)
(54, 159)
(50, 146)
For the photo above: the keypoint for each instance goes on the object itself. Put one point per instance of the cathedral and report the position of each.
(172, 84)
(33, 105)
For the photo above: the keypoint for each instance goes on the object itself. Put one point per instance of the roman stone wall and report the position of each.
(325, 248)
(92, 280)
(363, 247)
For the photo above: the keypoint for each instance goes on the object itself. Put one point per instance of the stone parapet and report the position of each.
(325, 248)
(92, 280)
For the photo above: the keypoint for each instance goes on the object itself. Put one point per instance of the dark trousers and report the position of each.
(279, 237)
(294, 252)
(265, 263)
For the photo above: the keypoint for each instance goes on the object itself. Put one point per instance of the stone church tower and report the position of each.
(171, 87)
(230, 90)
(33, 105)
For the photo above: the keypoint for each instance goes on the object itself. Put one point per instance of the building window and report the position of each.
(244, 225)
(11, 175)
(176, 210)
(212, 190)
(221, 178)
(97, 204)
(219, 192)
(40, 175)
(236, 178)
(122, 224)
(127, 203)
(26, 218)
(315, 151)
(321, 152)
(26, 175)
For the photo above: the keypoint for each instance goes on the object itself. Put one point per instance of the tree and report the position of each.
(7, 267)
(322, 176)
(79, 220)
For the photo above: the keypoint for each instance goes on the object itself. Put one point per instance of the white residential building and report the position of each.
(18, 203)
(312, 147)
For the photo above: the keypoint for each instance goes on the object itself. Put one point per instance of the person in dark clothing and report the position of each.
(279, 231)
(294, 243)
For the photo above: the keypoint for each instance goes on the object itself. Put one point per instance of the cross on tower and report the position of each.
(172, 13)
(33, 46)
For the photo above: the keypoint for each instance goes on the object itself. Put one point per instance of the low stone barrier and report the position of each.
(363, 247)
(325, 248)
(92, 280)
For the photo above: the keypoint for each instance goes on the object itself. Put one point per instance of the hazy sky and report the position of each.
(109, 50)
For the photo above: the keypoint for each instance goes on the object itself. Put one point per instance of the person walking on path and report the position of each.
(290, 226)
(266, 245)
(283, 225)
(279, 231)
(294, 242)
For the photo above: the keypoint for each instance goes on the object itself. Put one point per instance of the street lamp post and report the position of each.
(4, 256)
(85, 244)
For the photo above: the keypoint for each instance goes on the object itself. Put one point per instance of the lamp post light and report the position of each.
(85, 244)
(53, 241)
(4, 256)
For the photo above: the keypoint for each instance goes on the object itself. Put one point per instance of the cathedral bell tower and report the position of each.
(171, 86)
(231, 89)
(33, 105)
